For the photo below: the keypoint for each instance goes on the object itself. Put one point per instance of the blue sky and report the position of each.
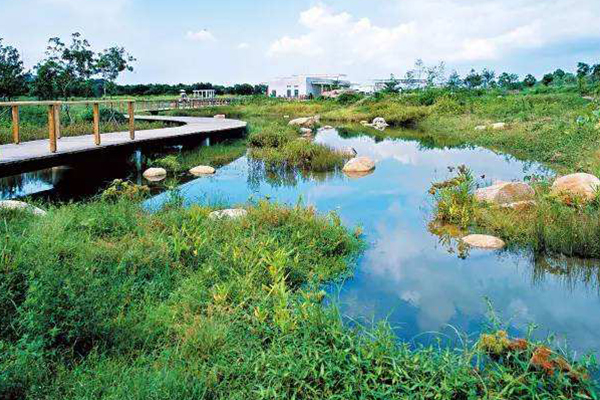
(227, 41)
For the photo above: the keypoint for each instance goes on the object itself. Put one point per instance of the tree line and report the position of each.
(586, 78)
(73, 69)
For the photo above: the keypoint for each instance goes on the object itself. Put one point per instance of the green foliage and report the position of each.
(107, 115)
(455, 203)
(12, 73)
(120, 189)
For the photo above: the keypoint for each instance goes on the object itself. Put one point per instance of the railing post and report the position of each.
(96, 108)
(15, 124)
(52, 127)
(131, 120)
(57, 109)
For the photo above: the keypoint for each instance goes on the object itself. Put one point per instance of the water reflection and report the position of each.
(410, 276)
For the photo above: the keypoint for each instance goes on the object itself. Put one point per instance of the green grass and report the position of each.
(553, 225)
(104, 300)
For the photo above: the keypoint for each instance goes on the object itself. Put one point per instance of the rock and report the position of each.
(364, 123)
(480, 128)
(19, 205)
(307, 122)
(202, 170)
(326, 128)
(520, 205)
(484, 241)
(155, 174)
(379, 123)
(588, 98)
(581, 185)
(359, 164)
(231, 213)
(220, 116)
(306, 131)
(505, 193)
(498, 126)
(357, 175)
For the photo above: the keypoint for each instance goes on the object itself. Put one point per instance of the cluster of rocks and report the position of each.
(520, 196)
(378, 123)
(498, 126)
(158, 174)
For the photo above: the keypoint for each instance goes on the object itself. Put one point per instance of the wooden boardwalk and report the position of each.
(16, 157)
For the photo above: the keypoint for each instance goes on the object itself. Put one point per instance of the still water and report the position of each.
(408, 275)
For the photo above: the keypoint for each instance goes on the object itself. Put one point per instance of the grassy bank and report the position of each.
(103, 300)
(552, 224)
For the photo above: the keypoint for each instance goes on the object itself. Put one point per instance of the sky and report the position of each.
(234, 41)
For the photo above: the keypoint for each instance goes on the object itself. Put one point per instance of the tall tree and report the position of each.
(111, 62)
(488, 78)
(529, 81)
(508, 81)
(454, 80)
(473, 80)
(12, 72)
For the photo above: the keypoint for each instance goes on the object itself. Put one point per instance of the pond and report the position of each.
(409, 276)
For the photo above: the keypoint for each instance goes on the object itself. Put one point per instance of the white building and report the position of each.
(305, 86)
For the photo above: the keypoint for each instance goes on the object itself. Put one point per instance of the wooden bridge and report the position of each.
(22, 156)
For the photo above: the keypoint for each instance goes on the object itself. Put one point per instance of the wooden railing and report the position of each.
(127, 107)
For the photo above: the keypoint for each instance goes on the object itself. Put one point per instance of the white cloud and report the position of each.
(457, 31)
(243, 46)
(201, 36)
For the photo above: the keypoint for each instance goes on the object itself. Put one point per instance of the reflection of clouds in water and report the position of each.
(405, 274)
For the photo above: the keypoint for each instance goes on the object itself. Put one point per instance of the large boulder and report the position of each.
(231, 213)
(306, 122)
(379, 123)
(484, 241)
(155, 174)
(19, 205)
(201, 170)
(359, 164)
(581, 185)
(502, 193)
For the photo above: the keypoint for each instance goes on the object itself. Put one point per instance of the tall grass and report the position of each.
(103, 300)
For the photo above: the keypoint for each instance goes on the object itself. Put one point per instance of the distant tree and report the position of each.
(595, 73)
(454, 80)
(583, 70)
(111, 62)
(435, 75)
(488, 78)
(392, 85)
(473, 80)
(529, 81)
(508, 81)
(548, 79)
(559, 74)
(12, 73)
(260, 89)
(45, 85)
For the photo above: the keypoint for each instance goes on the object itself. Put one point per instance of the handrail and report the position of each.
(150, 105)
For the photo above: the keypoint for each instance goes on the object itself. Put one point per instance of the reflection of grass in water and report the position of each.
(215, 156)
(571, 271)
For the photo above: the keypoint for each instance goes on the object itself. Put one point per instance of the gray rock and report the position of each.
(231, 213)
(155, 174)
(19, 205)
